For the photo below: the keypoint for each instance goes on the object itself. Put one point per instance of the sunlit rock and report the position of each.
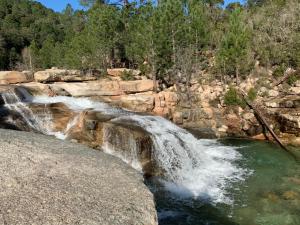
(13, 77)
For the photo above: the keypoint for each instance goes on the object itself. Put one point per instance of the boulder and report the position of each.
(55, 75)
(272, 104)
(138, 102)
(48, 181)
(290, 123)
(136, 86)
(132, 143)
(58, 114)
(297, 83)
(273, 93)
(13, 77)
(295, 90)
(178, 118)
(223, 129)
(248, 116)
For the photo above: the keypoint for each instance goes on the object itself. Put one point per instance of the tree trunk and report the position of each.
(173, 47)
(154, 83)
(265, 124)
(237, 75)
(30, 60)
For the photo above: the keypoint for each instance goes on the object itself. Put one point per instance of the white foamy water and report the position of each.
(41, 123)
(193, 168)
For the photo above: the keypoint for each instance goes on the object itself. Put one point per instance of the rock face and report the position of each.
(47, 181)
(104, 88)
(13, 77)
(201, 110)
(117, 72)
(55, 75)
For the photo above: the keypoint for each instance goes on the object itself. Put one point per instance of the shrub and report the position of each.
(292, 79)
(127, 75)
(232, 98)
(252, 94)
(145, 69)
(279, 71)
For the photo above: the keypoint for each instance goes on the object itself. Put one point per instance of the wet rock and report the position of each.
(133, 143)
(203, 132)
(58, 114)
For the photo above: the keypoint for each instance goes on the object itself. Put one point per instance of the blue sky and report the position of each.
(59, 5)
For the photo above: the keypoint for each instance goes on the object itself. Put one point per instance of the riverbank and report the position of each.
(209, 109)
(48, 181)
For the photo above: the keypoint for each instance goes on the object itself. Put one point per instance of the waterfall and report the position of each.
(192, 167)
(130, 156)
(39, 123)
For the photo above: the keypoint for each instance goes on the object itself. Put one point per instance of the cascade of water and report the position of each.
(111, 145)
(200, 168)
(41, 123)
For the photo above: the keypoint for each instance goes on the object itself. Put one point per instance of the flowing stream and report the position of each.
(206, 181)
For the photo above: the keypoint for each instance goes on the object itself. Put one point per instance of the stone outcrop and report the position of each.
(138, 102)
(201, 109)
(117, 72)
(48, 181)
(104, 88)
(13, 77)
(56, 75)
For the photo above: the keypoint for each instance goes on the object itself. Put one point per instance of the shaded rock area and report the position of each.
(47, 181)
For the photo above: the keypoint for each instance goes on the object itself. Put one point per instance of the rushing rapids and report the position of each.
(191, 167)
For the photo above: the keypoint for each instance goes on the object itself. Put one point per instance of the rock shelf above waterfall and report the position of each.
(48, 181)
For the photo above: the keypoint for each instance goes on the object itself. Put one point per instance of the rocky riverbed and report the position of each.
(48, 181)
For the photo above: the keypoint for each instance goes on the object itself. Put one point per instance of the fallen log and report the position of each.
(287, 76)
(263, 121)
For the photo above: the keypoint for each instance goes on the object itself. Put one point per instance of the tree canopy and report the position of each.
(158, 36)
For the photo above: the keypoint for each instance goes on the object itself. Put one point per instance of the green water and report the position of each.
(270, 196)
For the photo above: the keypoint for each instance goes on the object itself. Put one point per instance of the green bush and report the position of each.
(279, 71)
(232, 98)
(292, 79)
(127, 75)
(252, 94)
(145, 69)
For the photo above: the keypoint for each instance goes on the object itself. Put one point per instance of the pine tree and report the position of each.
(234, 48)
